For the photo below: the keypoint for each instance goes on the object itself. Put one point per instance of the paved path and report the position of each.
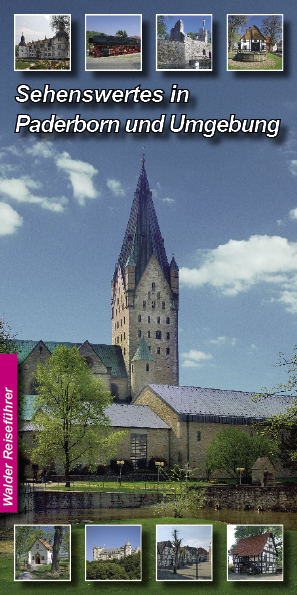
(26, 576)
(129, 62)
(186, 573)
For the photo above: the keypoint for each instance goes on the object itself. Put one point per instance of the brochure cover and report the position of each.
(151, 147)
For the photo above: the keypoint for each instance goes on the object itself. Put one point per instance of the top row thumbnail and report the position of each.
(113, 42)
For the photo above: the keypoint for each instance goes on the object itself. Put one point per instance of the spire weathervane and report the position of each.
(143, 159)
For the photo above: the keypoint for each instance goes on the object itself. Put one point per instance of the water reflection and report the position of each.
(235, 517)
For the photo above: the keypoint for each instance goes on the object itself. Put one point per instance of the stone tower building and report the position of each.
(144, 295)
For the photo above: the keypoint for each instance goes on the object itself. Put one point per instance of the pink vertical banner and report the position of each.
(8, 432)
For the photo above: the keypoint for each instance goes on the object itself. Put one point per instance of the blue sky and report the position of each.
(110, 24)
(111, 536)
(256, 19)
(33, 27)
(227, 206)
(192, 22)
(191, 535)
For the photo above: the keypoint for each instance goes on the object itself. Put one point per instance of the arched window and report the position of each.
(147, 367)
(168, 351)
(167, 336)
(139, 317)
(158, 295)
(139, 333)
(148, 334)
(158, 319)
(167, 320)
(158, 335)
(148, 319)
(153, 286)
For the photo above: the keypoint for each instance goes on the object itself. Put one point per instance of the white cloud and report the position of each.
(293, 166)
(223, 341)
(293, 214)
(19, 189)
(41, 149)
(115, 187)
(80, 175)
(10, 220)
(169, 201)
(195, 358)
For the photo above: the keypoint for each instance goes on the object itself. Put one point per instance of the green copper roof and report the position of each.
(142, 352)
(110, 355)
(143, 236)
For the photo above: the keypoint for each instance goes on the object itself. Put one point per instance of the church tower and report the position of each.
(145, 290)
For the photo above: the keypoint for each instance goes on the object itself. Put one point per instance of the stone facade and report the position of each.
(145, 294)
(102, 553)
(56, 47)
(182, 48)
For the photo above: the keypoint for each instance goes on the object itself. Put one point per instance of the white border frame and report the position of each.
(45, 70)
(113, 69)
(257, 580)
(192, 581)
(256, 69)
(95, 580)
(185, 69)
(42, 580)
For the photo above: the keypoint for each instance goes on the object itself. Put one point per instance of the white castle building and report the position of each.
(102, 553)
(56, 47)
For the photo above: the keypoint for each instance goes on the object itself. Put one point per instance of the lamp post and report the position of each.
(159, 464)
(240, 469)
(121, 463)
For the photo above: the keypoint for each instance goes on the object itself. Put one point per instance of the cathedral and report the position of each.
(164, 421)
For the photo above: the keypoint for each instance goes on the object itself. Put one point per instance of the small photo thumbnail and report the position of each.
(113, 42)
(113, 552)
(184, 42)
(49, 50)
(184, 552)
(42, 552)
(255, 42)
(255, 553)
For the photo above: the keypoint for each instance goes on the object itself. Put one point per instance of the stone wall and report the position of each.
(279, 498)
(173, 53)
(245, 497)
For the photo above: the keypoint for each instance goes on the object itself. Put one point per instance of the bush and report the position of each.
(230, 568)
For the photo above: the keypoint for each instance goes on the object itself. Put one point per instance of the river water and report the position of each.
(234, 517)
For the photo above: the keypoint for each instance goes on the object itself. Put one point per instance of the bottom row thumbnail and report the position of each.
(114, 552)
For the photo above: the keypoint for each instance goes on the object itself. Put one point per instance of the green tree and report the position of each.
(180, 496)
(122, 33)
(236, 22)
(16, 51)
(272, 28)
(61, 21)
(282, 428)
(232, 449)
(25, 536)
(162, 31)
(7, 343)
(69, 413)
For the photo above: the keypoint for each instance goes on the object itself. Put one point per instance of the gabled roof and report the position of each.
(143, 237)
(110, 355)
(143, 352)
(213, 405)
(134, 416)
(124, 416)
(253, 33)
(45, 543)
(251, 546)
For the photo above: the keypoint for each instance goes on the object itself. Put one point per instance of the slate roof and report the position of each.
(111, 355)
(250, 546)
(125, 416)
(134, 416)
(143, 236)
(218, 406)
(143, 352)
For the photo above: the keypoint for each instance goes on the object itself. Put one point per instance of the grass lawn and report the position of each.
(113, 486)
(78, 585)
(272, 63)
(22, 65)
